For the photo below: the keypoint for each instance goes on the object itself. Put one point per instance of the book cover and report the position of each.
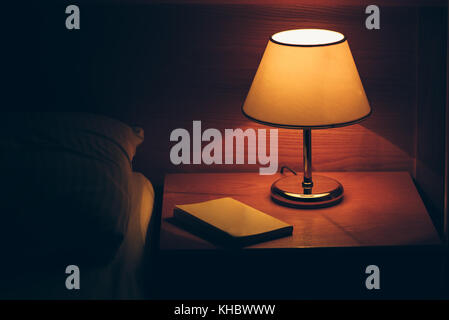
(230, 222)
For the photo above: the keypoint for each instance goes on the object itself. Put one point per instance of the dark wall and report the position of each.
(431, 98)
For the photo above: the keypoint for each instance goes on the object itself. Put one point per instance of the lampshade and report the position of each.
(307, 78)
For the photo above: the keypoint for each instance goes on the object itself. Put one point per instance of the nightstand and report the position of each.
(381, 221)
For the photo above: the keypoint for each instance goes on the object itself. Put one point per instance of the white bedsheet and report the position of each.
(122, 278)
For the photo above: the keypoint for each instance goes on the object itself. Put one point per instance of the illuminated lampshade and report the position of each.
(307, 79)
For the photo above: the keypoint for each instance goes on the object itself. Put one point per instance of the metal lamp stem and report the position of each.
(307, 153)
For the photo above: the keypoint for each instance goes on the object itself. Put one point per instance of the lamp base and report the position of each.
(289, 191)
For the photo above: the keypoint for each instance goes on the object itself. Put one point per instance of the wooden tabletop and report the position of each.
(378, 209)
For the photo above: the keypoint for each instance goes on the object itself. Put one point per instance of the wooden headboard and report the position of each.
(163, 65)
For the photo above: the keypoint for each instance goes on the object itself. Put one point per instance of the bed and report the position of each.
(70, 197)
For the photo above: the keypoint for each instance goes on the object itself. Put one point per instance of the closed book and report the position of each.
(230, 222)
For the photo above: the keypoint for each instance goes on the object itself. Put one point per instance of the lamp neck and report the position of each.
(307, 153)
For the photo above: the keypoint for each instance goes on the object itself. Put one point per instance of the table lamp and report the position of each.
(307, 79)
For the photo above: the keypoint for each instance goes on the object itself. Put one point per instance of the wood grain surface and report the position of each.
(214, 53)
(379, 209)
(161, 66)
